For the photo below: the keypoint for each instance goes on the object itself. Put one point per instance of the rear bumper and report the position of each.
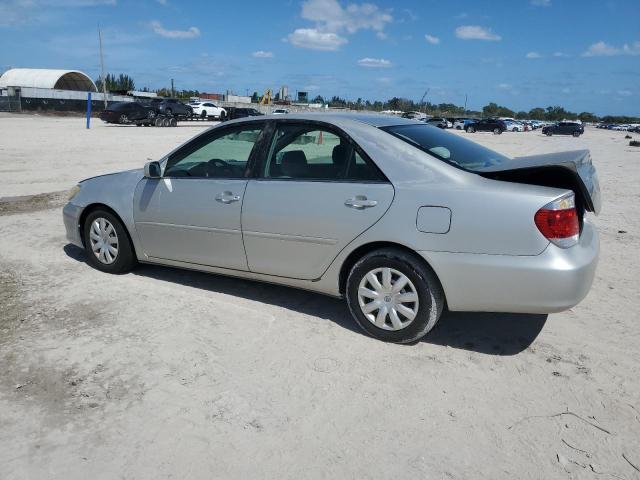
(71, 217)
(553, 281)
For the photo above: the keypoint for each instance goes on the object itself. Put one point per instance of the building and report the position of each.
(51, 90)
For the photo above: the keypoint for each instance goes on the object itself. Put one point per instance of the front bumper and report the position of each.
(71, 217)
(553, 281)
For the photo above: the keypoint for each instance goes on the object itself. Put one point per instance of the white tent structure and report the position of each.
(46, 78)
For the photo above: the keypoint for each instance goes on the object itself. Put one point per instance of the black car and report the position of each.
(438, 122)
(486, 125)
(235, 112)
(564, 128)
(127, 112)
(171, 106)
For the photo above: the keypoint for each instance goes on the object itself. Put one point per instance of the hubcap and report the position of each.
(388, 298)
(103, 240)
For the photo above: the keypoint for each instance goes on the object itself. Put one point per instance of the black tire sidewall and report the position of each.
(125, 260)
(423, 322)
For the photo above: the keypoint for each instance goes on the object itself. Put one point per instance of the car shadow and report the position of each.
(500, 334)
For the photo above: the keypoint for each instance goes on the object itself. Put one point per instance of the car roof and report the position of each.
(375, 120)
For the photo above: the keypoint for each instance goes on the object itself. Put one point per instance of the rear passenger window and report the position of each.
(305, 152)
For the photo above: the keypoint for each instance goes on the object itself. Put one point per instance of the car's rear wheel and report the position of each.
(393, 296)
(576, 134)
(470, 130)
(168, 111)
(222, 117)
(203, 114)
(107, 244)
(497, 131)
(548, 133)
(123, 119)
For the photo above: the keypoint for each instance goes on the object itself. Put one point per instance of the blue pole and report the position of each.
(89, 110)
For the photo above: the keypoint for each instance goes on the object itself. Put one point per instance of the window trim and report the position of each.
(258, 173)
(212, 135)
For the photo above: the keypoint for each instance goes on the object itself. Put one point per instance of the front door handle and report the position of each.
(227, 197)
(360, 202)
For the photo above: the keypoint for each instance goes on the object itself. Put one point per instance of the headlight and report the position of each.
(73, 192)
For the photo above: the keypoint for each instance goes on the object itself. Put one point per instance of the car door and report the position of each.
(192, 213)
(314, 193)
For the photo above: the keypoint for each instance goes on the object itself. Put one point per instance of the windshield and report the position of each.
(447, 146)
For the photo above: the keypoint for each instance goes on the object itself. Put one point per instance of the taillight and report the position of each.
(558, 221)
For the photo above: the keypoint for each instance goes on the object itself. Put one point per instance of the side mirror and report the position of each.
(152, 170)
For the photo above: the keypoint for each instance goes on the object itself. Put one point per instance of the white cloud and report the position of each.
(431, 39)
(332, 21)
(475, 32)
(191, 32)
(625, 93)
(262, 54)
(162, 2)
(541, 3)
(560, 54)
(533, 55)
(374, 62)
(314, 39)
(504, 86)
(602, 49)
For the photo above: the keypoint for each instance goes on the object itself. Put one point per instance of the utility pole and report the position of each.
(422, 104)
(465, 104)
(173, 92)
(104, 80)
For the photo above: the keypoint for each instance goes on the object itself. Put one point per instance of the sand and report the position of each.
(164, 373)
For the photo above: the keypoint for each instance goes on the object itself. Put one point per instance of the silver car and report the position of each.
(400, 218)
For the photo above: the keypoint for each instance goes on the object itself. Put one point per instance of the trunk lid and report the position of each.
(573, 170)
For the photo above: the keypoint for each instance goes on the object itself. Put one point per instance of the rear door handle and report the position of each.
(360, 202)
(227, 197)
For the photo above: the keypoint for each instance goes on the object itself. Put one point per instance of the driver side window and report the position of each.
(225, 155)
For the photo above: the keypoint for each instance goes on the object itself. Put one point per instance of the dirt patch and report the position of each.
(32, 203)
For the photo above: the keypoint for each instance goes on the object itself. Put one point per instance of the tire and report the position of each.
(158, 122)
(470, 130)
(576, 134)
(548, 134)
(168, 111)
(166, 122)
(151, 115)
(497, 131)
(203, 114)
(422, 283)
(222, 117)
(173, 122)
(124, 259)
(123, 119)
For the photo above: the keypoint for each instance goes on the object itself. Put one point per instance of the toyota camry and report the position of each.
(400, 218)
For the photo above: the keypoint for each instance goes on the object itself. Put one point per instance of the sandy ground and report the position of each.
(163, 373)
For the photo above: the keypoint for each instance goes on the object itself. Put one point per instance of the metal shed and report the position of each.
(46, 78)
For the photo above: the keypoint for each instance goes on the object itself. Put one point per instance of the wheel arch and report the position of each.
(101, 206)
(363, 250)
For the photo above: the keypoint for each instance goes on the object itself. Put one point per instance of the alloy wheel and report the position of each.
(388, 299)
(103, 240)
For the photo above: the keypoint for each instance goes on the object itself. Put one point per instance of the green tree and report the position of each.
(122, 82)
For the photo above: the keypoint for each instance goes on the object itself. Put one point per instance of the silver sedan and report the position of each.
(400, 218)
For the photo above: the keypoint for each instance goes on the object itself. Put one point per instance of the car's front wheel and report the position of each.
(576, 134)
(107, 244)
(470, 129)
(393, 296)
(497, 131)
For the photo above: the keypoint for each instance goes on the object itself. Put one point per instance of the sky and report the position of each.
(581, 54)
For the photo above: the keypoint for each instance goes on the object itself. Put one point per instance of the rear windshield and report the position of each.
(448, 147)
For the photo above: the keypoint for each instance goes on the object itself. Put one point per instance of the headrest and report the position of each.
(294, 164)
(339, 155)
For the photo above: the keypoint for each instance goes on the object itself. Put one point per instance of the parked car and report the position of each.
(564, 128)
(235, 112)
(127, 112)
(171, 106)
(459, 123)
(208, 109)
(396, 216)
(416, 116)
(486, 125)
(280, 111)
(438, 122)
(513, 126)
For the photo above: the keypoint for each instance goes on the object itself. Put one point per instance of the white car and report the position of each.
(280, 111)
(459, 124)
(209, 109)
(514, 126)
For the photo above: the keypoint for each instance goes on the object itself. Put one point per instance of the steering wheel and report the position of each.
(218, 163)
